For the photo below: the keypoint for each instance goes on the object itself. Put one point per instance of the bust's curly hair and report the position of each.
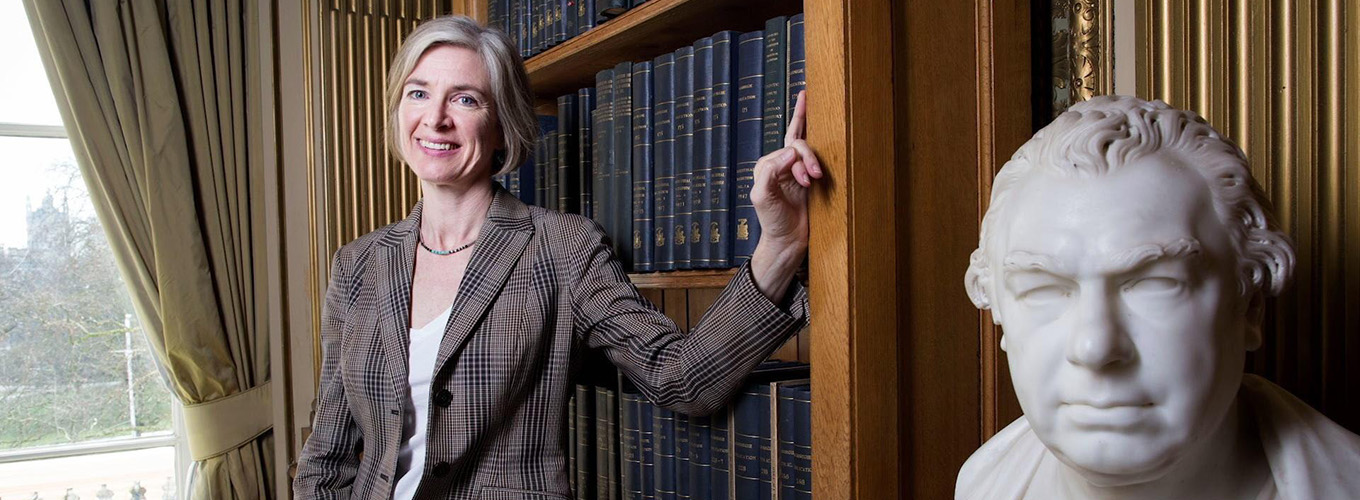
(1107, 133)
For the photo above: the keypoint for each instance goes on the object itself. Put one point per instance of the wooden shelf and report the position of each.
(715, 278)
(642, 33)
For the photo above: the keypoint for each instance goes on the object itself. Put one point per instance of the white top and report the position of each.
(411, 458)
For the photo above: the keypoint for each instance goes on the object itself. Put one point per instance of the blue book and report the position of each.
(644, 208)
(663, 158)
(720, 455)
(571, 441)
(602, 169)
(751, 429)
(682, 459)
(775, 69)
(585, 16)
(745, 227)
(802, 443)
(608, 9)
(568, 160)
(786, 469)
(629, 412)
(663, 432)
(495, 14)
(571, 20)
(518, 27)
(585, 441)
(684, 154)
(546, 126)
(621, 159)
(523, 181)
(561, 11)
(721, 168)
(606, 451)
(585, 140)
(700, 460)
(797, 61)
(646, 449)
(700, 207)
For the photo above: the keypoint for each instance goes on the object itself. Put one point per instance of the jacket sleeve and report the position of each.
(330, 459)
(692, 373)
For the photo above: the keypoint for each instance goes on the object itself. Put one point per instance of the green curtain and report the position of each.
(154, 95)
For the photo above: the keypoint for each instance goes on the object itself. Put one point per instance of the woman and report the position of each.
(450, 338)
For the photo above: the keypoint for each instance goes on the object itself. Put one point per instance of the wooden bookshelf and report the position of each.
(706, 278)
(642, 33)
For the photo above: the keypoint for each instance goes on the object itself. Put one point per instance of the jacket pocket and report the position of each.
(498, 493)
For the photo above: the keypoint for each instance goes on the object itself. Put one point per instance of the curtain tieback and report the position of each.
(225, 424)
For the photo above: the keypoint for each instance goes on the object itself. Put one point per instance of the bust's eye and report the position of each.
(1154, 285)
(1045, 294)
(417, 94)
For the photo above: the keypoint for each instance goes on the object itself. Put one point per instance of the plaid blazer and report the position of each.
(541, 289)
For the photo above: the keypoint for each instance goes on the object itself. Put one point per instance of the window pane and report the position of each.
(27, 99)
(74, 364)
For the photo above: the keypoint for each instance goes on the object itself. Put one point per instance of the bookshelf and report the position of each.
(853, 347)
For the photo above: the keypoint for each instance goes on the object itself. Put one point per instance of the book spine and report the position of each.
(607, 9)
(684, 155)
(699, 205)
(720, 455)
(663, 155)
(561, 11)
(663, 430)
(585, 441)
(751, 434)
(646, 450)
(772, 102)
(644, 208)
(585, 16)
(802, 443)
(571, 20)
(700, 461)
(797, 62)
(535, 16)
(784, 430)
(554, 171)
(602, 169)
(603, 442)
(632, 459)
(495, 16)
(568, 160)
(615, 472)
(682, 459)
(517, 30)
(622, 182)
(745, 226)
(722, 107)
(585, 150)
(571, 440)
(540, 173)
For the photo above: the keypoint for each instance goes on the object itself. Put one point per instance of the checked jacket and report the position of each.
(542, 289)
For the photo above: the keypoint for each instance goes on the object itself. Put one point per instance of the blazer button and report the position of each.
(440, 470)
(443, 398)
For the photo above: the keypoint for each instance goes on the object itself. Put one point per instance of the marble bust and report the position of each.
(1126, 254)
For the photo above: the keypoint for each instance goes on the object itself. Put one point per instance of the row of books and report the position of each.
(662, 153)
(538, 25)
(757, 448)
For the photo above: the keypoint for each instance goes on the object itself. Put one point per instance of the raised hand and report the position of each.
(780, 196)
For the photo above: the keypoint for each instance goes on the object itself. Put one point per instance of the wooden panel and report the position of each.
(853, 251)
(642, 33)
(956, 129)
(1280, 79)
(676, 306)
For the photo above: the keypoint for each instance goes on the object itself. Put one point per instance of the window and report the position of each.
(82, 406)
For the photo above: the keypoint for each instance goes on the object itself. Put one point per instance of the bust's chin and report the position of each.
(1116, 466)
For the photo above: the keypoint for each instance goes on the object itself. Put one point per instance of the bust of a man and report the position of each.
(1126, 254)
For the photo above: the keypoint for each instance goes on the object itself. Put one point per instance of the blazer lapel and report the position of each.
(396, 264)
(503, 238)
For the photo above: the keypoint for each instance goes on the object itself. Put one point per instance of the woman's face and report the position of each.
(446, 117)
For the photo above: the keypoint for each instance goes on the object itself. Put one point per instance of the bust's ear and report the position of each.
(1255, 315)
(977, 282)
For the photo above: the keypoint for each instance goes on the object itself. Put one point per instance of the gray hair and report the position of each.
(1106, 133)
(512, 101)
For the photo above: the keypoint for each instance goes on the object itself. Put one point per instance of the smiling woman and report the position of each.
(511, 297)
